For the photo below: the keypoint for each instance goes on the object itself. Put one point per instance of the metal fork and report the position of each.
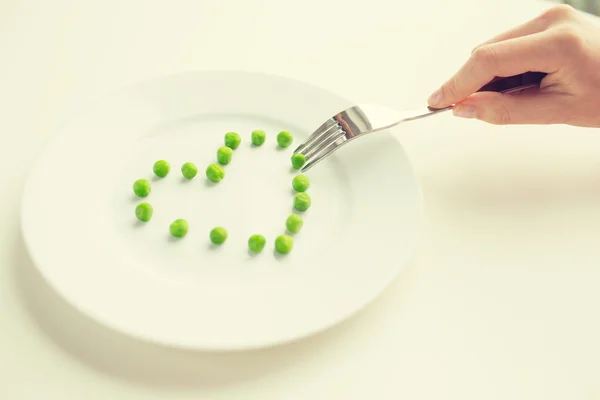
(361, 120)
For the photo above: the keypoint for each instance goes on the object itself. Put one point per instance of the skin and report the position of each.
(232, 140)
(215, 173)
(560, 42)
(294, 223)
(284, 139)
(144, 211)
(161, 168)
(218, 235)
(224, 155)
(298, 161)
(256, 243)
(258, 137)
(189, 170)
(302, 201)
(300, 183)
(179, 228)
(284, 244)
(142, 187)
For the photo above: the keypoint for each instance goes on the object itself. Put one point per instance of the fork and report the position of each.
(361, 120)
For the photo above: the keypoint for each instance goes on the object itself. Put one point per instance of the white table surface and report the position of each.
(501, 300)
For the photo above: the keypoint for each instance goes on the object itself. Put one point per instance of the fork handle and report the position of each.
(514, 83)
(504, 85)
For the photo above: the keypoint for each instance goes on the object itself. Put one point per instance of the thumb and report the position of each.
(527, 107)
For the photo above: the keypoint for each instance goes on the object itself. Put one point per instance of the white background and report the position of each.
(501, 300)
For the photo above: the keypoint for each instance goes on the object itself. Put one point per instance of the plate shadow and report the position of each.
(123, 357)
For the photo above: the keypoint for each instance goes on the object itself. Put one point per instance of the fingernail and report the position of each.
(465, 111)
(435, 98)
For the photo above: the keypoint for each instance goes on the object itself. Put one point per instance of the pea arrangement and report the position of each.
(215, 173)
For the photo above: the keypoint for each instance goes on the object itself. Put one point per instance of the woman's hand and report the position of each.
(560, 42)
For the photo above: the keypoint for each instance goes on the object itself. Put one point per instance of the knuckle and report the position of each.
(480, 45)
(501, 115)
(559, 12)
(568, 39)
(484, 56)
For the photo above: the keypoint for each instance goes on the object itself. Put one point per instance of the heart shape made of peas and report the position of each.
(216, 173)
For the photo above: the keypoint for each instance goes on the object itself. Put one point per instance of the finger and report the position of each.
(532, 106)
(535, 25)
(538, 24)
(510, 57)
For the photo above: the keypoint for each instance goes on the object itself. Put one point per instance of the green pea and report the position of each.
(232, 140)
(161, 168)
(284, 244)
(258, 137)
(302, 201)
(144, 211)
(224, 155)
(298, 160)
(294, 223)
(300, 183)
(189, 170)
(179, 228)
(256, 243)
(142, 187)
(215, 172)
(218, 235)
(284, 139)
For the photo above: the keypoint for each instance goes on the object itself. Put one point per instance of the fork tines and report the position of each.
(322, 142)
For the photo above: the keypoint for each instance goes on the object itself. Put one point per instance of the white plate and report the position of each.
(79, 225)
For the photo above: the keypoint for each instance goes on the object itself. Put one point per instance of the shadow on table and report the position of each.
(486, 182)
(133, 361)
